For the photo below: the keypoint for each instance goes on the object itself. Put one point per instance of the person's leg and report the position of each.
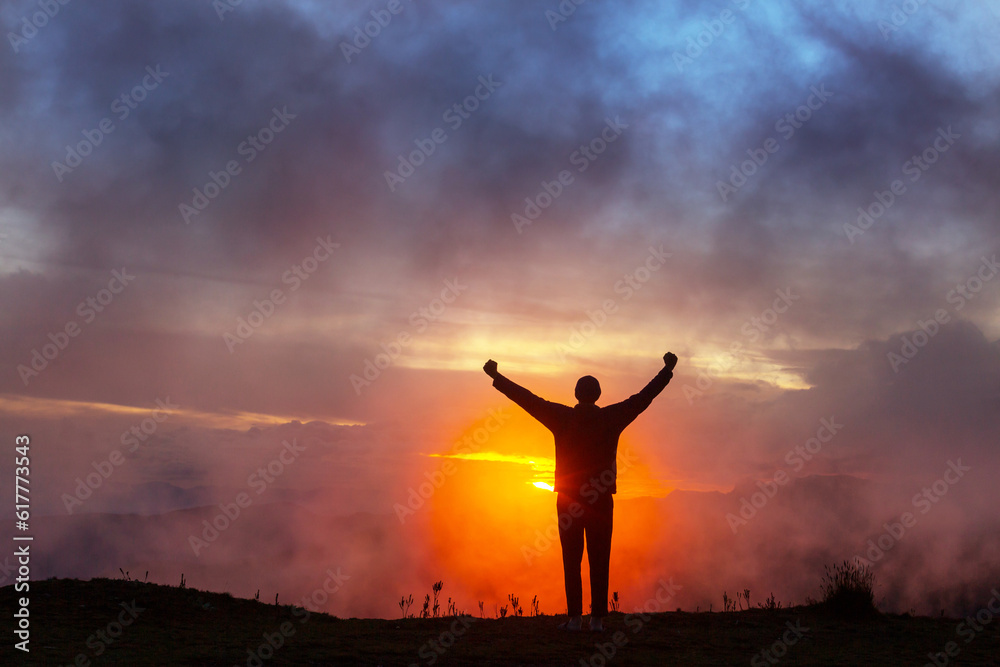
(571, 539)
(599, 525)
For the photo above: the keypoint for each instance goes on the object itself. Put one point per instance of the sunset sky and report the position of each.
(227, 227)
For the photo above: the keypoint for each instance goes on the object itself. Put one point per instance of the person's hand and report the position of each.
(670, 360)
(491, 368)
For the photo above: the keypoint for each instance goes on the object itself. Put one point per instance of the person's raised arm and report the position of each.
(542, 410)
(633, 406)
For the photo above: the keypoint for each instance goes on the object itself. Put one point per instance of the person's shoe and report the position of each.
(572, 625)
(596, 624)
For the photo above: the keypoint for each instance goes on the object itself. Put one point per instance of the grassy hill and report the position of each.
(118, 622)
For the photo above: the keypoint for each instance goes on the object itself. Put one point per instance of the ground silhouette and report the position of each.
(183, 626)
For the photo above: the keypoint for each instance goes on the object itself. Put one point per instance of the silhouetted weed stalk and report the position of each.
(437, 590)
(730, 604)
(404, 605)
(742, 602)
(770, 604)
(127, 577)
(431, 607)
(849, 589)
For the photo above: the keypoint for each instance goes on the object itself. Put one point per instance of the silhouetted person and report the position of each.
(586, 439)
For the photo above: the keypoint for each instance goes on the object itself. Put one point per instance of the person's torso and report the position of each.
(586, 447)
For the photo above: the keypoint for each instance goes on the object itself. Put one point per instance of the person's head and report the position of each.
(588, 389)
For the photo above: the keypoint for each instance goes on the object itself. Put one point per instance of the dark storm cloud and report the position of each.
(325, 171)
(351, 121)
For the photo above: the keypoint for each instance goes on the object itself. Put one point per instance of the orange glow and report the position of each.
(494, 532)
(544, 468)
